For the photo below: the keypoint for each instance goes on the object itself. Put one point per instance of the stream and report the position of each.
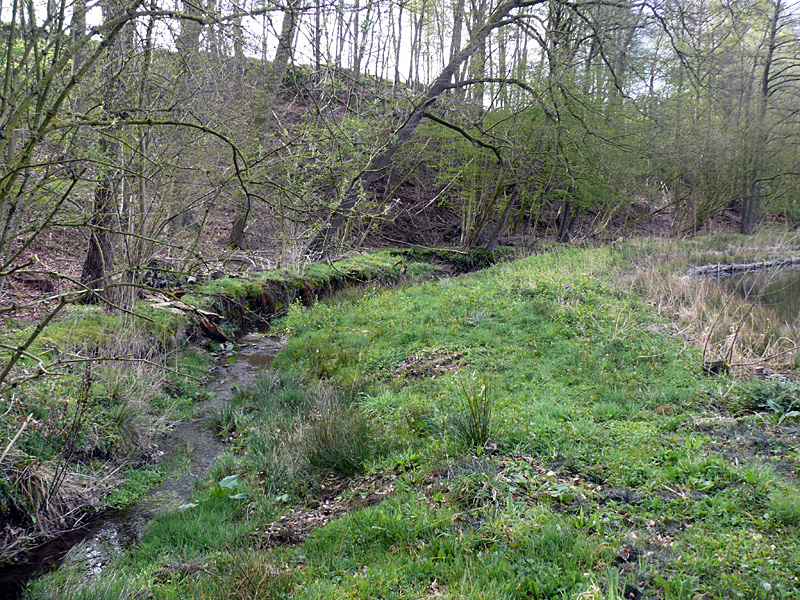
(112, 532)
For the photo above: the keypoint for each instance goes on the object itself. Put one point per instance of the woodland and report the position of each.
(174, 173)
(303, 130)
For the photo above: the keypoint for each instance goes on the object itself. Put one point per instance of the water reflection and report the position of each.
(780, 290)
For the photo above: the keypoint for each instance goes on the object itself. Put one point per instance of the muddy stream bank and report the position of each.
(190, 444)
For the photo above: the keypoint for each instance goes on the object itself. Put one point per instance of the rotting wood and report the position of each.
(204, 319)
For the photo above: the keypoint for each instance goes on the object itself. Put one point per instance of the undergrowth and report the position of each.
(733, 327)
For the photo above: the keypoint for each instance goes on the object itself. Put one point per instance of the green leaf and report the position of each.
(230, 482)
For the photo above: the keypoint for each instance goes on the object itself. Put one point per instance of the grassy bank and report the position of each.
(522, 432)
(84, 404)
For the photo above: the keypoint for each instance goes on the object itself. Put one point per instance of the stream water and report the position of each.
(95, 544)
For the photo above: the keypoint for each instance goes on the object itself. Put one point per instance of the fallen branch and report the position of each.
(13, 441)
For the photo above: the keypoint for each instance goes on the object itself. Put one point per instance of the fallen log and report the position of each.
(204, 319)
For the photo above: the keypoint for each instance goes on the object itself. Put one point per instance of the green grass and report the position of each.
(137, 483)
(530, 436)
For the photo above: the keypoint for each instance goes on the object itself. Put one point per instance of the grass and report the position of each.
(285, 433)
(114, 380)
(603, 462)
(137, 483)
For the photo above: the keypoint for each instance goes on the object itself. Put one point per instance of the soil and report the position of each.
(338, 499)
(429, 363)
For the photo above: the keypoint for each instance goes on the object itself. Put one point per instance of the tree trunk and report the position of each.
(751, 202)
(283, 57)
(99, 263)
(510, 199)
(565, 222)
(398, 43)
(317, 36)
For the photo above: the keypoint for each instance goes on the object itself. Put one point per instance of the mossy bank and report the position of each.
(85, 401)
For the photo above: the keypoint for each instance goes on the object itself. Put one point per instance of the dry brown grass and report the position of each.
(746, 334)
(51, 495)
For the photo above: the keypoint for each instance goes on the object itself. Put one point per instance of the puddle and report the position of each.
(777, 289)
(94, 545)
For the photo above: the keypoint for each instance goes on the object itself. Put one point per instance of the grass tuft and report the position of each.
(476, 401)
(340, 439)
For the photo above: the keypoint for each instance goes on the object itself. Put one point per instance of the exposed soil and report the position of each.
(429, 363)
(743, 442)
(341, 498)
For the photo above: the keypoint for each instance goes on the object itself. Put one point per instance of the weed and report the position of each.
(137, 483)
(735, 330)
(473, 419)
(678, 587)
(226, 464)
(227, 419)
(611, 474)
(248, 575)
(124, 419)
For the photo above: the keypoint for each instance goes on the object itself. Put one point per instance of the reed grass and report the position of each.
(746, 335)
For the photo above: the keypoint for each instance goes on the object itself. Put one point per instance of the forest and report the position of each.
(308, 129)
(482, 236)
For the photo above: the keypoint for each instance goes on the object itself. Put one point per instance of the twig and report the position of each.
(19, 433)
(42, 368)
(126, 359)
(766, 358)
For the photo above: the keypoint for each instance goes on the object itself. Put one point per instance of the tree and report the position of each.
(322, 243)
(99, 263)
(275, 77)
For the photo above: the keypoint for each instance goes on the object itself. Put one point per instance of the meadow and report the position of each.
(537, 429)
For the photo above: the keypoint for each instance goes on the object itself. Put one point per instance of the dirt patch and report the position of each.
(429, 363)
(745, 443)
(296, 525)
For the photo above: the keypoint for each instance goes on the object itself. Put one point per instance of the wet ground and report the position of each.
(101, 540)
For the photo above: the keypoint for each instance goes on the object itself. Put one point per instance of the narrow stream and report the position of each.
(95, 544)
